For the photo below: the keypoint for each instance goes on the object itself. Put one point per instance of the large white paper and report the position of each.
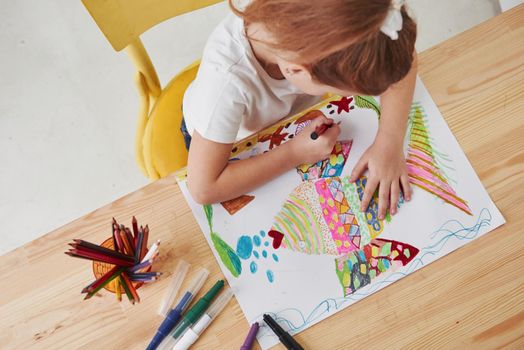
(314, 272)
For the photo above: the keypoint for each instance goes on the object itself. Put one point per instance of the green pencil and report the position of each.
(126, 289)
(116, 274)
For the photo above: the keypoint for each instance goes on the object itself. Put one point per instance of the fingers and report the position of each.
(359, 168)
(406, 187)
(383, 199)
(332, 132)
(371, 186)
(321, 119)
(395, 195)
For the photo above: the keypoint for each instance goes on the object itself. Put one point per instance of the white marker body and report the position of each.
(192, 334)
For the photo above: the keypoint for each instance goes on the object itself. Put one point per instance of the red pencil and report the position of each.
(87, 287)
(135, 227)
(96, 248)
(119, 244)
(100, 257)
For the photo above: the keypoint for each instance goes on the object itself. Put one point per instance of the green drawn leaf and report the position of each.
(208, 209)
(228, 256)
(368, 102)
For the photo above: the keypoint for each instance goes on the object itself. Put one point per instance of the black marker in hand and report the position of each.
(319, 130)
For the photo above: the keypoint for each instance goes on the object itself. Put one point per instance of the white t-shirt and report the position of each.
(232, 95)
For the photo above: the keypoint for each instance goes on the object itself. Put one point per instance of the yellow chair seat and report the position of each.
(160, 144)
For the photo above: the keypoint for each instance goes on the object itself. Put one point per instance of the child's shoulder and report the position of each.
(225, 51)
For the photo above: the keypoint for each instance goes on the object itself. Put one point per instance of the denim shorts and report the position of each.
(185, 133)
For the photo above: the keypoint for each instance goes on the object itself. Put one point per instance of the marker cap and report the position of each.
(198, 281)
(220, 302)
(176, 281)
(191, 335)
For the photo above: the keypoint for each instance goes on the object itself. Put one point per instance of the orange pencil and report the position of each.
(127, 244)
(135, 227)
(129, 236)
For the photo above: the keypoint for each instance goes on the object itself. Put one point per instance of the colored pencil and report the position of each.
(151, 251)
(87, 287)
(144, 243)
(130, 238)
(76, 256)
(100, 249)
(131, 287)
(127, 244)
(89, 253)
(144, 273)
(140, 266)
(113, 235)
(117, 273)
(115, 230)
(126, 290)
(102, 279)
(136, 277)
(138, 248)
(119, 244)
(143, 279)
(118, 291)
(135, 226)
(100, 257)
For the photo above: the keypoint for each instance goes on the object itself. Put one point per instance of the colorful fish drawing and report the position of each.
(322, 216)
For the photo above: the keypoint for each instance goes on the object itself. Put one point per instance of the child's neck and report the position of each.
(264, 56)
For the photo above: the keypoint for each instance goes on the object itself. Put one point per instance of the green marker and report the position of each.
(191, 316)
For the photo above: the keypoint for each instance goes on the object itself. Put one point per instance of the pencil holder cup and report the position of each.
(100, 268)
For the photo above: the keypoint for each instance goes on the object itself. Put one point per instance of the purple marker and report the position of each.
(250, 339)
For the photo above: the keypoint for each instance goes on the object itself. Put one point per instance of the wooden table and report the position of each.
(473, 297)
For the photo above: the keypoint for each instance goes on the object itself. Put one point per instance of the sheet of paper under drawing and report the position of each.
(300, 249)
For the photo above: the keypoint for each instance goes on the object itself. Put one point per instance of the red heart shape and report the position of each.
(277, 238)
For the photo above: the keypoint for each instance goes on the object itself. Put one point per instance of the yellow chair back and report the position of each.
(123, 21)
(159, 145)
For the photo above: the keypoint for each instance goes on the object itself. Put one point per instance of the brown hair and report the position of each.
(339, 41)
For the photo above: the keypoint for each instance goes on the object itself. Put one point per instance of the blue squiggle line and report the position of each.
(459, 231)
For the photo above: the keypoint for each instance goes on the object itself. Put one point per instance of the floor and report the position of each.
(68, 104)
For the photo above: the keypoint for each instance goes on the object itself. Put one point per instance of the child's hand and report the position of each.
(308, 151)
(388, 172)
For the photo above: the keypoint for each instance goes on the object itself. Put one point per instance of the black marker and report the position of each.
(285, 338)
(319, 130)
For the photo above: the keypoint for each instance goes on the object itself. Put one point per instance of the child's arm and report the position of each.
(212, 178)
(385, 157)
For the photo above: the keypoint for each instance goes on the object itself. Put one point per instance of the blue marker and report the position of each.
(175, 314)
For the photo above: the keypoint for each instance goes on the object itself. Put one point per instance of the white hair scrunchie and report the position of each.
(393, 22)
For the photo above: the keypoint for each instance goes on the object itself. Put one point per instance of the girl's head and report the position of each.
(332, 45)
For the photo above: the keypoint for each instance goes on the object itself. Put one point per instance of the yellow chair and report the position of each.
(159, 144)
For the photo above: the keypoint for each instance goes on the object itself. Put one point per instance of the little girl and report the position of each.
(277, 57)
